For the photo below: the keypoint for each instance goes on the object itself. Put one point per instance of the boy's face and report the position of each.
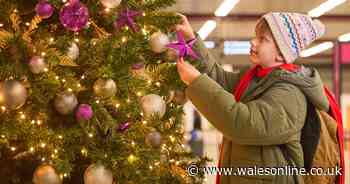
(264, 50)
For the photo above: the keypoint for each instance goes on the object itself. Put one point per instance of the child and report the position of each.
(262, 108)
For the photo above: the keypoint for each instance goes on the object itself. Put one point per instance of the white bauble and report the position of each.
(13, 94)
(65, 103)
(110, 3)
(153, 104)
(45, 174)
(97, 174)
(154, 139)
(158, 42)
(37, 65)
(105, 88)
(73, 51)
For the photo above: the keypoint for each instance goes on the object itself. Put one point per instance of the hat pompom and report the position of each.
(319, 27)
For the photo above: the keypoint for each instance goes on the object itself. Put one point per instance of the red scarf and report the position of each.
(260, 72)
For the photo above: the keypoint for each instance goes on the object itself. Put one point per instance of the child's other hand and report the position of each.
(187, 72)
(185, 28)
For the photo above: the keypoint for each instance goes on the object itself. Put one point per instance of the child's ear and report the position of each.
(279, 58)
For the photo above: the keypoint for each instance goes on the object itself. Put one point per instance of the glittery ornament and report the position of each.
(84, 112)
(154, 139)
(37, 65)
(123, 127)
(46, 174)
(44, 9)
(13, 94)
(65, 103)
(153, 104)
(98, 174)
(74, 15)
(105, 88)
(110, 3)
(73, 51)
(159, 42)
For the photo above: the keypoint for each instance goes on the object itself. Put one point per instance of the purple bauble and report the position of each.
(123, 127)
(137, 66)
(74, 16)
(44, 9)
(84, 112)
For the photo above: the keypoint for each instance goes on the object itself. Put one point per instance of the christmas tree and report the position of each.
(88, 93)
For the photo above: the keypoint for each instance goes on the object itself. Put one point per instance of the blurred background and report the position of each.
(228, 25)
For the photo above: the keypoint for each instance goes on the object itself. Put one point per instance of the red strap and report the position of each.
(335, 112)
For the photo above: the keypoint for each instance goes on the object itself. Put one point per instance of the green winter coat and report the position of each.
(271, 112)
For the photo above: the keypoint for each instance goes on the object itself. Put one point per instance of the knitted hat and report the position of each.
(293, 32)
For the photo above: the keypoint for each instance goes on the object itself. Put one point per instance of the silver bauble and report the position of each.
(98, 174)
(154, 139)
(73, 51)
(65, 103)
(105, 88)
(37, 65)
(13, 94)
(45, 174)
(153, 104)
(158, 42)
(110, 3)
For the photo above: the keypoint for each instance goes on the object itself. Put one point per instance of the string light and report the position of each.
(97, 101)
(91, 135)
(70, 89)
(149, 81)
(177, 163)
(1, 25)
(117, 105)
(150, 167)
(57, 77)
(13, 148)
(3, 108)
(172, 139)
(65, 175)
(132, 143)
(79, 85)
(43, 145)
(141, 113)
(27, 24)
(43, 54)
(124, 39)
(43, 159)
(83, 77)
(39, 122)
(158, 84)
(60, 137)
(3, 136)
(52, 39)
(31, 149)
(84, 152)
(144, 122)
(139, 93)
(76, 40)
(143, 14)
(15, 11)
(53, 155)
(128, 100)
(107, 10)
(64, 1)
(23, 116)
(56, 151)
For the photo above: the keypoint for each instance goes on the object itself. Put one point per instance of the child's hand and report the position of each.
(187, 72)
(185, 28)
